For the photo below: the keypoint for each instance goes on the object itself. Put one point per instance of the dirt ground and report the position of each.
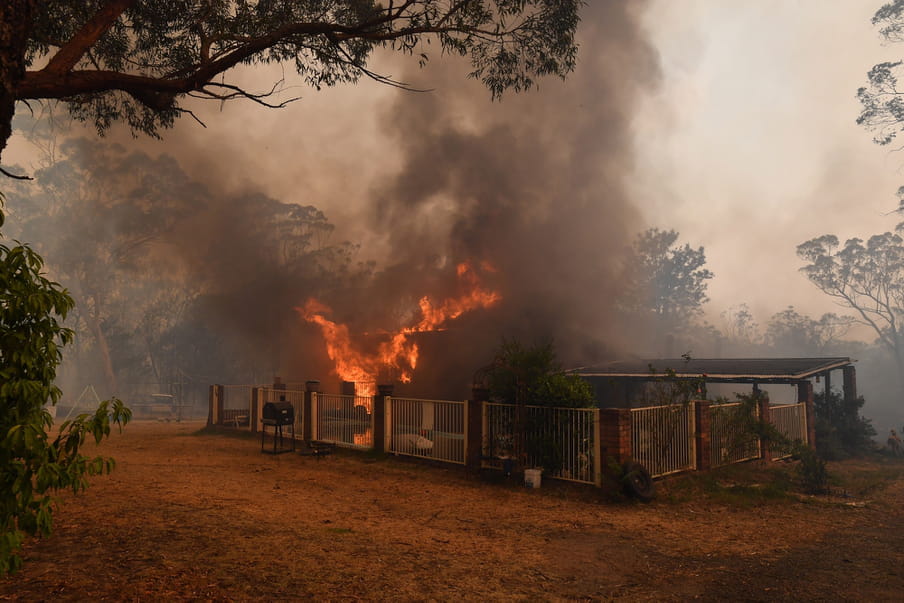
(199, 516)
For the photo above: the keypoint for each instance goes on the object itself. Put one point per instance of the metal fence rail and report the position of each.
(295, 397)
(561, 440)
(432, 429)
(236, 406)
(790, 420)
(343, 420)
(731, 438)
(662, 438)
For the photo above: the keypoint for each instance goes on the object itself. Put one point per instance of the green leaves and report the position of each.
(161, 52)
(532, 375)
(31, 464)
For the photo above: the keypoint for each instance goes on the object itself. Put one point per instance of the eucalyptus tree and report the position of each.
(664, 287)
(137, 60)
(866, 277)
(882, 99)
(791, 333)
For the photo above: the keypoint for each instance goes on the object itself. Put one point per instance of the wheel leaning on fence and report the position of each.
(638, 482)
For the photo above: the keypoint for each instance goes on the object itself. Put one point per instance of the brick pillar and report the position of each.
(615, 434)
(805, 395)
(211, 405)
(307, 429)
(765, 417)
(598, 457)
(703, 435)
(850, 383)
(381, 402)
(474, 429)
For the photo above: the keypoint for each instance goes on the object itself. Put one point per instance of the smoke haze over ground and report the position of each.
(732, 124)
(534, 185)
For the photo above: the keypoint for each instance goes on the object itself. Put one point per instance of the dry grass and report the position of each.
(208, 517)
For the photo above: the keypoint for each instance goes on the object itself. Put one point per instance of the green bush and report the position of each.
(33, 464)
(840, 430)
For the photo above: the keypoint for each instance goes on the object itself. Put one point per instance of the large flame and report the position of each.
(397, 354)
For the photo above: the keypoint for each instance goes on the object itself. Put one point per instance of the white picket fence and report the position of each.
(790, 420)
(430, 429)
(561, 440)
(236, 406)
(731, 438)
(343, 420)
(663, 438)
(564, 441)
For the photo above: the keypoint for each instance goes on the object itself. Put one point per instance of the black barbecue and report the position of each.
(278, 415)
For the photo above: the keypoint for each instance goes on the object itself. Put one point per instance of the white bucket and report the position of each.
(532, 477)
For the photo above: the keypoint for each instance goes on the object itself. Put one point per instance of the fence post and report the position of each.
(615, 433)
(474, 429)
(212, 397)
(255, 408)
(703, 426)
(308, 430)
(766, 418)
(597, 448)
(805, 395)
(379, 416)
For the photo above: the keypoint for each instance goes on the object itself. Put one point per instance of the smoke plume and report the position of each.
(534, 185)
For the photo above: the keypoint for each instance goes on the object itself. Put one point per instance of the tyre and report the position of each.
(638, 482)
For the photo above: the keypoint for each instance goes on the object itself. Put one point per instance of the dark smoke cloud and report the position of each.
(534, 184)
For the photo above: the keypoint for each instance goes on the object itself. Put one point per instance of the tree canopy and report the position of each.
(666, 279)
(865, 276)
(881, 99)
(128, 234)
(532, 375)
(792, 333)
(137, 60)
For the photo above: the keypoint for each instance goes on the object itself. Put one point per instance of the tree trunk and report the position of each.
(15, 25)
(101, 339)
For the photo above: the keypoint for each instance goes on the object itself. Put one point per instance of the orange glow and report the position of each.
(398, 353)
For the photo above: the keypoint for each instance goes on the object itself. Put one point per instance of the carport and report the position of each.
(625, 383)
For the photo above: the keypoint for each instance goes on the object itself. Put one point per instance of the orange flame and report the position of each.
(397, 353)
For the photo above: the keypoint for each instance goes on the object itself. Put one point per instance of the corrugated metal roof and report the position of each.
(719, 368)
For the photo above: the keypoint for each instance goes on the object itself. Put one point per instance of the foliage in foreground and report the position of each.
(32, 463)
(532, 375)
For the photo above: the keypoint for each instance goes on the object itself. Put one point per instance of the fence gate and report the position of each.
(790, 420)
(561, 440)
(236, 406)
(344, 420)
(732, 439)
(663, 438)
(432, 429)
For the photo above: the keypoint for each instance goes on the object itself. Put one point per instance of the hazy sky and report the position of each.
(747, 145)
(750, 145)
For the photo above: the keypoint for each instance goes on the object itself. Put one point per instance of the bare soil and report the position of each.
(200, 516)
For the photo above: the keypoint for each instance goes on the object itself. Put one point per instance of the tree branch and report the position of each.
(14, 176)
(70, 54)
